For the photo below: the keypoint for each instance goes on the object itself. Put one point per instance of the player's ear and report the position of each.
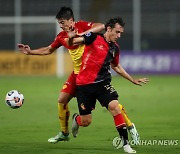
(71, 19)
(108, 29)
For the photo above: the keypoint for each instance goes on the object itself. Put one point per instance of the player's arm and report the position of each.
(87, 39)
(74, 39)
(121, 71)
(96, 28)
(41, 51)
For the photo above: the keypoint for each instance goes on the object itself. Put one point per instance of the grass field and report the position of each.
(154, 108)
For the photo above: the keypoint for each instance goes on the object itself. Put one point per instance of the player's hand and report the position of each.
(24, 49)
(72, 34)
(81, 34)
(140, 81)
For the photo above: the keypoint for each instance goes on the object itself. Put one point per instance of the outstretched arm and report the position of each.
(41, 51)
(96, 27)
(120, 70)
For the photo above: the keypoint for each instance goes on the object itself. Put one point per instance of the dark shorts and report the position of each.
(104, 92)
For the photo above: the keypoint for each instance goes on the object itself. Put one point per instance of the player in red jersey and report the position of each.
(66, 21)
(94, 78)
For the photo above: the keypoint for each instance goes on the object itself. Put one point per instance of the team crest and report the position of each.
(82, 106)
(88, 34)
(64, 86)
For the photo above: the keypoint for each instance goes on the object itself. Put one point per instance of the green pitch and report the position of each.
(154, 108)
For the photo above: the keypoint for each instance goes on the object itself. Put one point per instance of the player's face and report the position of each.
(115, 33)
(66, 25)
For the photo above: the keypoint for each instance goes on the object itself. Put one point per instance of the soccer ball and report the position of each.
(14, 99)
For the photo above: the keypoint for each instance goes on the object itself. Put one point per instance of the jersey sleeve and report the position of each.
(89, 38)
(56, 44)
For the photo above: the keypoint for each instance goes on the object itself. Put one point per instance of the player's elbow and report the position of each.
(102, 26)
(50, 50)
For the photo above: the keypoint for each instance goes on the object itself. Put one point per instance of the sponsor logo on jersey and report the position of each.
(101, 47)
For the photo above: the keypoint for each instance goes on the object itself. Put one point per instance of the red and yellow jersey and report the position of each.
(77, 50)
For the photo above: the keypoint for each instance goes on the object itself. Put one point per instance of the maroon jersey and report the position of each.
(96, 60)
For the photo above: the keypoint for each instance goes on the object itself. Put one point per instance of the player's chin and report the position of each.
(67, 29)
(115, 40)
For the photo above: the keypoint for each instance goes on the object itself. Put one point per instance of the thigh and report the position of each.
(86, 99)
(64, 98)
(70, 85)
(106, 94)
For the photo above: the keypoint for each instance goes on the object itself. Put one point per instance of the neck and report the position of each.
(72, 26)
(106, 37)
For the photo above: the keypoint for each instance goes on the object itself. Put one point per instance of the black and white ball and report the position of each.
(14, 99)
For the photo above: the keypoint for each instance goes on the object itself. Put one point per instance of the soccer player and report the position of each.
(93, 80)
(66, 21)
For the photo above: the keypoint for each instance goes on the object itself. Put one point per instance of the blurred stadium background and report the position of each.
(150, 46)
(152, 31)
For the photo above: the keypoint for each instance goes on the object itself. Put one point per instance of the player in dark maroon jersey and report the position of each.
(94, 78)
(66, 22)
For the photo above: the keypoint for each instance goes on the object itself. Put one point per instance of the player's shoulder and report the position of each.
(117, 45)
(82, 22)
(117, 48)
(61, 34)
(114, 47)
(100, 34)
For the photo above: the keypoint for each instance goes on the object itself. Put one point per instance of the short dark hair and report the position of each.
(65, 13)
(111, 22)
